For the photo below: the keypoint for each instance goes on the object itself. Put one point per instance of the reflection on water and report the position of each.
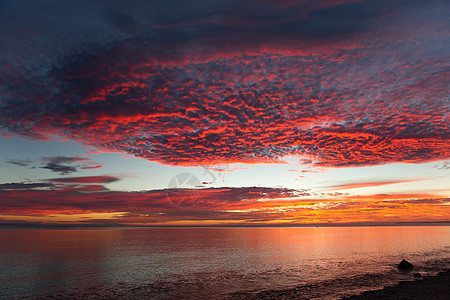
(191, 262)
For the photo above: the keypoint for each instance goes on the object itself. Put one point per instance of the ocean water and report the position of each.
(214, 263)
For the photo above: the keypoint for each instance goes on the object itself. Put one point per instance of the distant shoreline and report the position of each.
(123, 226)
(430, 287)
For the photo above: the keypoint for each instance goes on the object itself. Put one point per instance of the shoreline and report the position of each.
(427, 287)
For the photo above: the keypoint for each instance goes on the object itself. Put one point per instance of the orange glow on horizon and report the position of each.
(358, 209)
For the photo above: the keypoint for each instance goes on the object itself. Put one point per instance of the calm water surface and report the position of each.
(167, 263)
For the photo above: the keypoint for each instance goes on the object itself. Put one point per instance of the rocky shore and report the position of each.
(428, 287)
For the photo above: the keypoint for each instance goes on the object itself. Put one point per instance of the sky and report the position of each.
(134, 112)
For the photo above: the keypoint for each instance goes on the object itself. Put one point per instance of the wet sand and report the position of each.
(430, 288)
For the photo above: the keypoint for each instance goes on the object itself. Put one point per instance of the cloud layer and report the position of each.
(84, 197)
(89, 195)
(339, 83)
(355, 185)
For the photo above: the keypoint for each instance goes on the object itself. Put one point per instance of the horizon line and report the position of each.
(365, 224)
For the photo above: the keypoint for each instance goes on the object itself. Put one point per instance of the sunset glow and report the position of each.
(325, 112)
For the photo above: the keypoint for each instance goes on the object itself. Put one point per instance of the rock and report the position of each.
(405, 265)
(417, 275)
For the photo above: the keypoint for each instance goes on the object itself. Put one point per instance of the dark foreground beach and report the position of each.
(430, 287)
(425, 288)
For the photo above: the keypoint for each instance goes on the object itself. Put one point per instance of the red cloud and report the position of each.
(251, 205)
(70, 199)
(93, 167)
(313, 84)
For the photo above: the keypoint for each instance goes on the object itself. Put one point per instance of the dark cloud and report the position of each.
(440, 201)
(19, 162)
(64, 159)
(57, 164)
(24, 186)
(123, 22)
(61, 169)
(87, 179)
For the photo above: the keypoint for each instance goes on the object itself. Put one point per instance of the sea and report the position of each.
(214, 262)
